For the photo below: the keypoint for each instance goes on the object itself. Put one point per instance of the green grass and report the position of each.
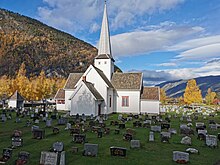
(151, 153)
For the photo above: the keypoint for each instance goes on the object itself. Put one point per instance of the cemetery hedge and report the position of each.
(151, 153)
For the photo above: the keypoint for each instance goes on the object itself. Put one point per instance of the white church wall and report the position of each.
(60, 106)
(12, 103)
(68, 93)
(83, 102)
(110, 108)
(134, 102)
(150, 106)
(106, 65)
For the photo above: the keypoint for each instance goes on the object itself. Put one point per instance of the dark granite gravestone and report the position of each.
(118, 151)
(75, 149)
(38, 134)
(200, 126)
(114, 123)
(90, 149)
(135, 116)
(121, 126)
(22, 158)
(6, 155)
(219, 136)
(16, 142)
(137, 124)
(91, 123)
(107, 131)
(184, 129)
(56, 130)
(58, 146)
(53, 117)
(95, 129)
(99, 133)
(212, 122)
(74, 131)
(127, 137)
(147, 123)
(79, 138)
(165, 126)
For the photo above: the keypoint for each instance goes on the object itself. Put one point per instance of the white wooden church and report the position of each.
(100, 90)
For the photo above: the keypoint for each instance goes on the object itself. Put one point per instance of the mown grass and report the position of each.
(150, 153)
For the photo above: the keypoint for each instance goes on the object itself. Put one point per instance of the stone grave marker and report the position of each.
(6, 155)
(68, 126)
(22, 158)
(58, 146)
(91, 117)
(16, 142)
(151, 136)
(212, 122)
(4, 118)
(38, 134)
(137, 124)
(90, 149)
(79, 138)
(120, 116)
(107, 131)
(213, 127)
(168, 134)
(127, 137)
(147, 123)
(74, 131)
(192, 151)
(135, 144)
(211, 141)
(99, 133)
(105, 117)
(36, 121)
(49, 158)
(172, 131)
(186, 140)
(118, 151)
(156, 128)
(180, 157)
(34, 127)
(200, 125)
(218, 136)
(165, 126)
(48, 122)
(121, 126)
(62, 121)
(62, 158)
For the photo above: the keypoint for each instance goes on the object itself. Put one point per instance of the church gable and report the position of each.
(127, 81)
(60, 94)
(17, 96)
(72, 80)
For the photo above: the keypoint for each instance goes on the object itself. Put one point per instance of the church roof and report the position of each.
(127, 80)
(60, 94)
(17, 96)
(104, 49)
(150, 93)
(101, 73)
(92, 89)
(72, 80)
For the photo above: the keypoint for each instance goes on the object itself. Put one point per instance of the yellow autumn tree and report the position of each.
(163, 96)
(4, 87)
(192, 93)
(210, 96)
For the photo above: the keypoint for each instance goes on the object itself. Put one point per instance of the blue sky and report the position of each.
(165, 39)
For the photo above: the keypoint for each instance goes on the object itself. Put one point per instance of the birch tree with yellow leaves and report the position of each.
(192, 93)
(210, 96)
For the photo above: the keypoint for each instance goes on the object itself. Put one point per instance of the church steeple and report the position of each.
(104, 60)
(104, 49)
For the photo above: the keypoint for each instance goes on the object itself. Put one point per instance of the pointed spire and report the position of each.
(104, 42)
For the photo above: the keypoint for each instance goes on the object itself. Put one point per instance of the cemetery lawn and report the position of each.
(150, 153)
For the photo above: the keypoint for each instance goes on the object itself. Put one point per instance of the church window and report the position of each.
(110, 101)
(60, 101)
(105, 62)
(125, 101)
(99, 63)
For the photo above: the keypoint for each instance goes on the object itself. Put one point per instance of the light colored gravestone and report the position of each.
(192, 150)
(213, 127)
(156, 128)
(186, 140)
(68, 126)
(173, 131)
(58, 146)
(211, 140)
(48, 158)
(204, 132)
(34, 127)
(135, 144)
(151, 137)
(200, 124)
(62, 158)
(48, 122)
(90, 149)
(120, 116)
(36, 121)
(166, 134)
(180, 157)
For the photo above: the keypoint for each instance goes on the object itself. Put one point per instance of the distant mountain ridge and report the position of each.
(176, 88)
(23, 39)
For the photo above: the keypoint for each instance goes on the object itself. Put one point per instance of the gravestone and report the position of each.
(186, 140)
(36, 121)
(156, 128)
(127, 137)
(91, 117)
(75, 149)
(49, 158)
(151, 136)
(16, 142)
(34, 127)
(213, 127)
(90, 149)
(118, 151)
(48, 122)
(6, 155)
(218, 136)
(38, 134)
(22, 158)
(180, 157)
(58, 146)
(137, 124)
(165, 126)
(62, 158)
(74, 131)
(168, 134)
(147, 123)
(120, 116)
(200, 126)
(68, 126)
(79, 138)
(211, 141)
(135, 144)
(99, 133)
(56, 130)
(4, 119)
(121, 126)
(172, 131)
(53, 117)
(192, 151)
(105, 117)
(62, 121)
(107, 131)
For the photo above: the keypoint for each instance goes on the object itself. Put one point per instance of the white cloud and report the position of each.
(80, 14)
(94, 27)
(143, 42)
(167, 64)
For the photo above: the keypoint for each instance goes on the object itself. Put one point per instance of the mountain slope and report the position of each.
(23, 39)
(177, 88)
